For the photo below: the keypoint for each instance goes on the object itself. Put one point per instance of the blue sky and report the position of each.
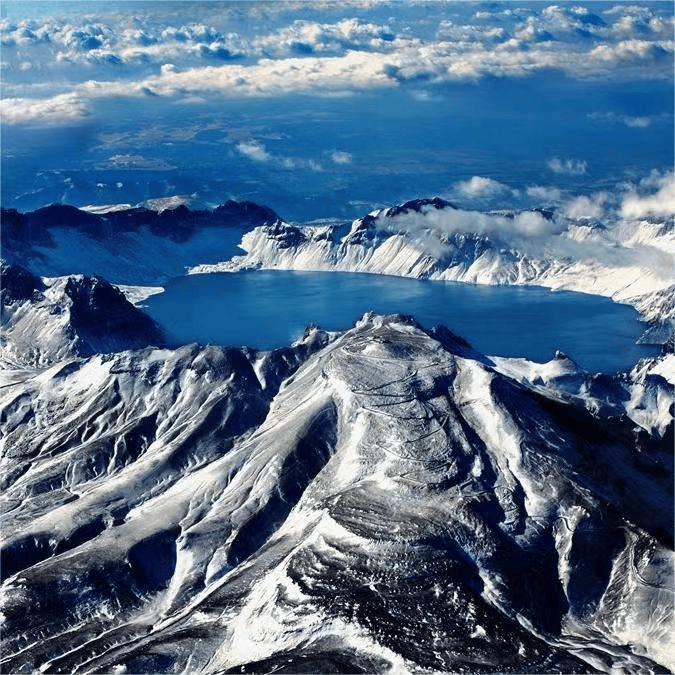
(324, 109)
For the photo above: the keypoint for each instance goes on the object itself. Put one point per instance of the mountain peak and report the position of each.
(71, 316)
(419, 206)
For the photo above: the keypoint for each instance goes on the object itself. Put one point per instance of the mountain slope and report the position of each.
(130, 246)
(384, 499)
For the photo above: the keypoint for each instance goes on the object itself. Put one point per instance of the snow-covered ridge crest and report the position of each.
(434, 239)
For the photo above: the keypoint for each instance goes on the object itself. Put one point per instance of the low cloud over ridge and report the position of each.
(479, 187)
(660, 203)
(451, 220)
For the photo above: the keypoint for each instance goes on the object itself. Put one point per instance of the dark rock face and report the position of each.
(287, 236)
(375, 501)
(246, 213)
(104, 319)
(319, 658)
(18, 284)
(418, 205)
(134, 246)
(179, 224)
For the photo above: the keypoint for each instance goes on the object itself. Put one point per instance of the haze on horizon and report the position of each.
(319, 110)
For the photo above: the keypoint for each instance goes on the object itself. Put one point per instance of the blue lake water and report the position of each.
(266, 309)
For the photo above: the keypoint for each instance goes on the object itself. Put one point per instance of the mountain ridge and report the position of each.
(414, 239)
(419, 240)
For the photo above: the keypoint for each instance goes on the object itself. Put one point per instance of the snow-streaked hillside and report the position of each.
(633, 262)
(382, 500)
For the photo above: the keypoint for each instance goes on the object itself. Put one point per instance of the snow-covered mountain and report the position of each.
(131, 246)
(386, 499)
(633, 262)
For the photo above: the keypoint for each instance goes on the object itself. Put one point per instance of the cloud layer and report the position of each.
(59, 109)
(258, 49)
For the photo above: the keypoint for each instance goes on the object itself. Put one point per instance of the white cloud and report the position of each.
(64, 108)
(425, 96)
(631, 51)
(633, 121)
(272, 77)
(141, 39)
(636, 122)
(532, 223)
(659, 203)
(561, 18)
(341, 157)
(479, 187)
(653, 181)
(448, 221)
(571, 167)
(465, 33)
(625, 9)
(304, 37)
(586, 207)
(255, 151)
(258, 153)
(544, 194)
(121, 55)
(639, 20)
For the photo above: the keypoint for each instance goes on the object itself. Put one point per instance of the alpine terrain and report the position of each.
(382, 499)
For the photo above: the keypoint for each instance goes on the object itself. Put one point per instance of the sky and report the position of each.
(329, 110)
